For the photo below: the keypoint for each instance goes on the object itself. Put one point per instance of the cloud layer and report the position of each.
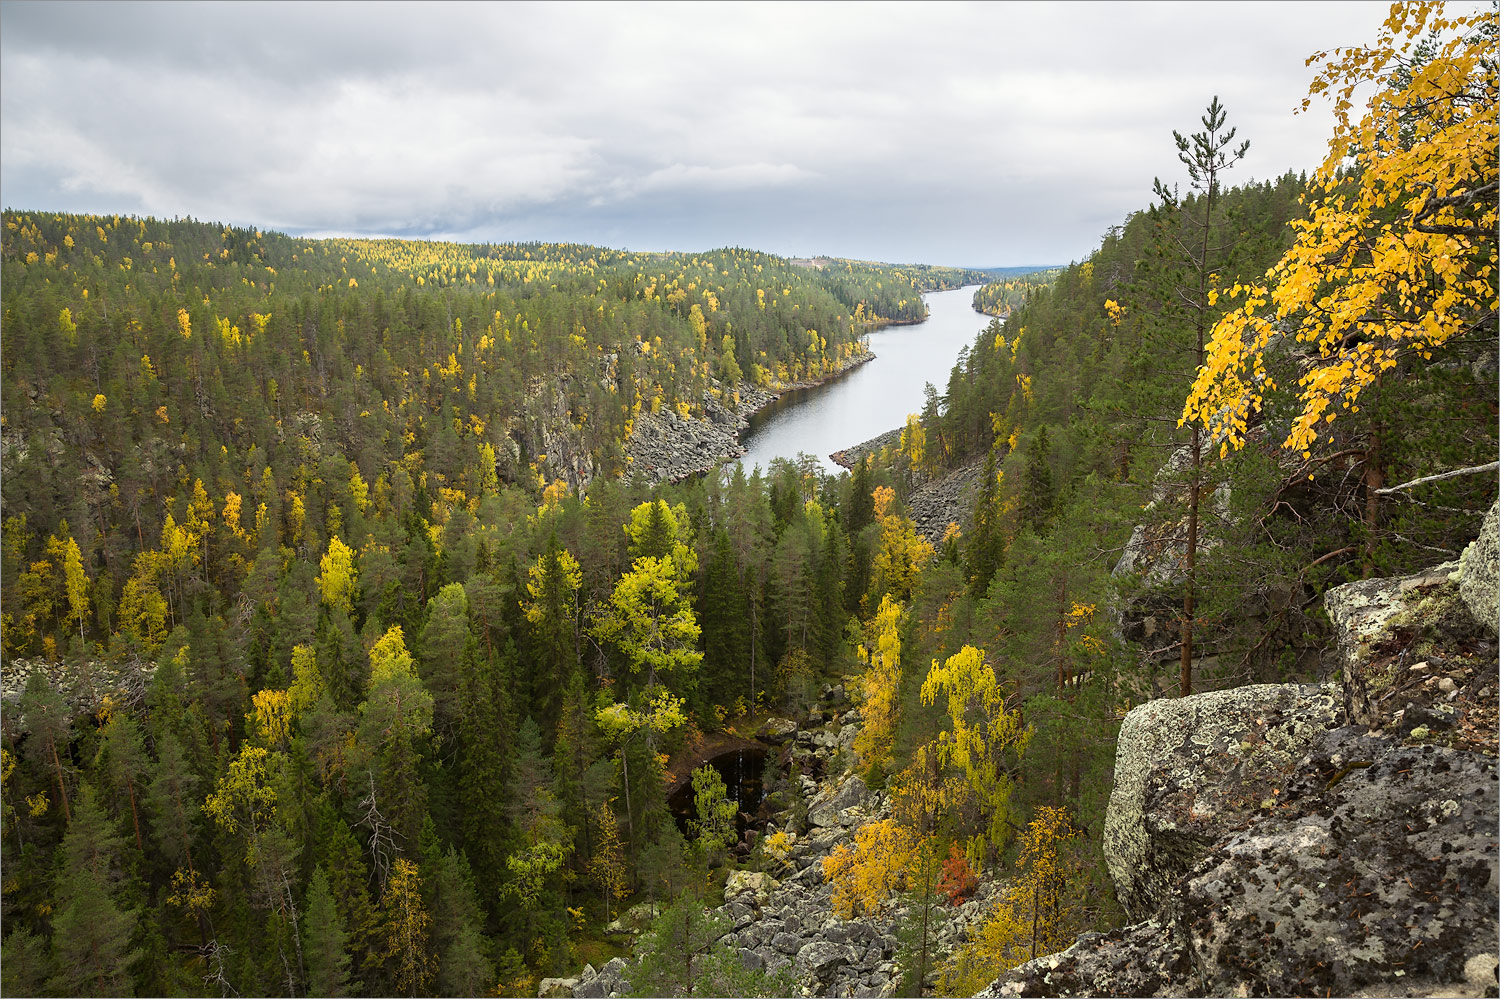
(983, 134)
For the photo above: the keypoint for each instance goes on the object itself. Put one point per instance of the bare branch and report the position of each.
(1471, 470)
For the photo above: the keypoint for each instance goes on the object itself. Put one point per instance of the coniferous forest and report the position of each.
(327, 672)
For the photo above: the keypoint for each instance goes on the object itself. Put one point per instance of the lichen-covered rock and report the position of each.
(1146, 959)
(1374, 871)
(634, 919)
(827, 810)
(556, 988)
(820, 958)
(1363, 615)
(1478, 569)
(1392, 872)
(1414, 662)
(1190, 771)
(749, 886)
(777, 731)
(609, 981)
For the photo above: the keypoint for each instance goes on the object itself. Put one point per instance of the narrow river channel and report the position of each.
(874, 397)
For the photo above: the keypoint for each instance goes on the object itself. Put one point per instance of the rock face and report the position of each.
(1413, 659)
(832, 808)
(1308, 840)
(1191, 770)
(1477, 571)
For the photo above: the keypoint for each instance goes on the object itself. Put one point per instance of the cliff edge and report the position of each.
(1336, 838)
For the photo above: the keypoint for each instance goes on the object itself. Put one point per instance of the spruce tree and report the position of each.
(325, 944)
(91, 932)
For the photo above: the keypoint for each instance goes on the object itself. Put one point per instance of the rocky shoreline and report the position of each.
(853, 455)
(666, 447)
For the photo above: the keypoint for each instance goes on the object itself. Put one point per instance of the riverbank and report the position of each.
(851, 456)
(667, 447)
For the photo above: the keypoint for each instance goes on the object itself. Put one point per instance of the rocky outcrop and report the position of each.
(949, 500)
(1308, 840)
(1414, 662)
(668, 447)
(838, 805)
(935, 504)
(83, 685)
(1191, 770)
(1478, 568)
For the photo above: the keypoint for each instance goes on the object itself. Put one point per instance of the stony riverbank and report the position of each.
(667, 447)
(853, 455)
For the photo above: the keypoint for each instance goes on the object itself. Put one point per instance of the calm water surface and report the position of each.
(874, 397)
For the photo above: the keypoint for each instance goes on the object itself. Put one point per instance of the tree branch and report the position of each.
(1471, 470)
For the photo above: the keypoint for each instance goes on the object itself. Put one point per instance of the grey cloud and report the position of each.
(953, 133)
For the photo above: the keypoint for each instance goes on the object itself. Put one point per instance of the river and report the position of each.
(874, 397)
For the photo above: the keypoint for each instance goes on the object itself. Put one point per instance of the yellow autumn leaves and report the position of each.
(1397, 255)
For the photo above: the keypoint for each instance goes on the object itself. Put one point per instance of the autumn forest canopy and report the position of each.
(346, 651)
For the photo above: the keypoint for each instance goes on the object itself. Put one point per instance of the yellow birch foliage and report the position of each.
(1036, 916)
(981, 729)
(865, 876)
(270, 718)
(336, 582)
(1397, 254)
(879, 686)
(244, 796)
(899, 560)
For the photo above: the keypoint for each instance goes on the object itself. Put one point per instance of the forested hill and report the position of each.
(144, 347)
(1010, 288)
(302, 637)
(317, 681)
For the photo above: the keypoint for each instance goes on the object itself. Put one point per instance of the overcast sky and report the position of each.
(980, 135)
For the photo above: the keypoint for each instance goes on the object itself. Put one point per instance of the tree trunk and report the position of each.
(1189, 565)
(134, 815)
(1374, 480)
(62, 791)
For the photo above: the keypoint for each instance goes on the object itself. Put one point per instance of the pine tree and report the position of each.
(47, 720)
(1207, 155)
(986, 543)
(1038, 494)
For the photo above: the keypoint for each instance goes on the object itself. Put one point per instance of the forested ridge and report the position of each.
(997, 298)
(321, 680)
